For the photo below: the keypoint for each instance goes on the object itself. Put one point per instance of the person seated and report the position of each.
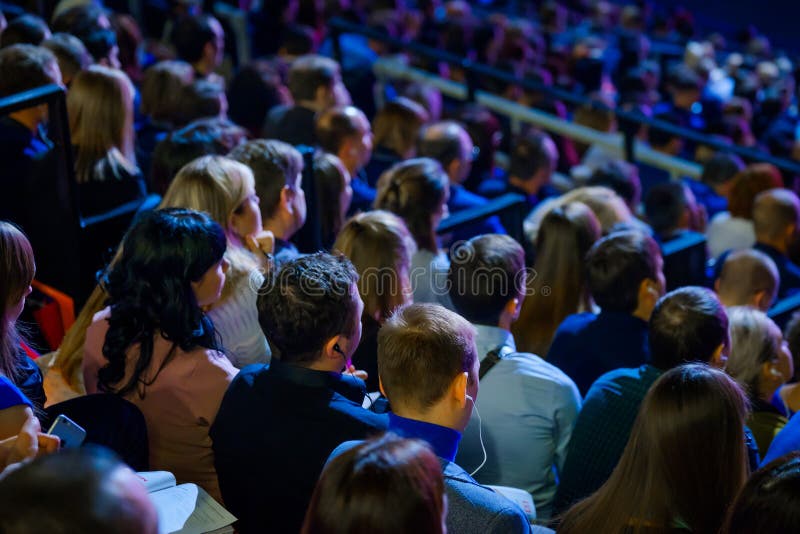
(748, 278)
(345, 132)
(689, 432)
(315, 84)
(200, 41)
(335, 194)
(760, 361)
(486, 132)
(311, 312)
(100, 109)
(688, 324)
(25, 29)
(70, 53)
(768, 502)
(416, 190)
(202, 99)
(525, 443)
(449, 143)
(154, 346)
(622, 178)
(398, 482)
(84, 489)
(21, 438)
(776, 218)
(26, 152)
(624, 273)
(663, 142)
(253, 92)
(91, 24)
(715, 182)
(396, 126)
(733, 229)
(380, 247)
(671, 210)
(277, 168)
(428, 369)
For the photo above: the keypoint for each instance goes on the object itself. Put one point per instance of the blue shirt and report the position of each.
(789, 272)
(444, 441)
(462, 199)
(787, 440)
(586, 345)
(527, 410)
(11, 396)
(706, 196)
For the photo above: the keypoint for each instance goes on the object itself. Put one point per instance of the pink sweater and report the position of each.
(180, 405)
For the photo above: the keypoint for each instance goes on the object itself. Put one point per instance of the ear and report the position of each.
(453, 167)
(209, 50)
(323, 95)
(762, 300)
(719, 359)
(328, 351)
(380, 387)
(512, 308)
(648, 293)
(458, 389)
(286, 199)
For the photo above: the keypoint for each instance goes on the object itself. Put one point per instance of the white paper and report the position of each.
(188, 509)
(157, 480)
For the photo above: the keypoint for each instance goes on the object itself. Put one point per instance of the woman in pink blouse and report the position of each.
(154, 345)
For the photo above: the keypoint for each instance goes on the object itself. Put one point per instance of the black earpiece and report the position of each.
(336, 348)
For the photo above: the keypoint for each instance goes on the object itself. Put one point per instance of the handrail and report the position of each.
(475, 71)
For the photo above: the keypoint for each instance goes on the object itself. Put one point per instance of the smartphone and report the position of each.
(68, 431)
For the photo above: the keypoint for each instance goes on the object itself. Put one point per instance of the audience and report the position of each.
(253, 92)
(311, 312)
(385, 485)
(335, 194)
(154, 345)
(200, 41)
(380, 248)
(715, 182)
(25, 29)
(760, 361)
(748, 278)
(671, 211)
(688, 324)
(396, 126)
(429, 372)
(776, 215)
(525, 440)
(689, 432)
(70, 53)
(625, 279)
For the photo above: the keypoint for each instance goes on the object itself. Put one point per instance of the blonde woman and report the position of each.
(380, 247)
(225, 189)
(100, 109)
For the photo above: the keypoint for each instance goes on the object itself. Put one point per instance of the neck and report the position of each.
(436, 415)
(321, 364)
(529, 186)
(310, 104)
(203, 67)
(505, 322)
(26, 118)
(279, 229)
(642, 313)
(777, 244)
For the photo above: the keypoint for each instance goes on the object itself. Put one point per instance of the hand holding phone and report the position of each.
(68, 431)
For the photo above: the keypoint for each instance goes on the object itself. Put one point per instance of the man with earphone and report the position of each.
(278, 423)
(429, 373)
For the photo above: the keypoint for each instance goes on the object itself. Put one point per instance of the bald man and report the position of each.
(748, 278)
(449, 143)
(776, 217)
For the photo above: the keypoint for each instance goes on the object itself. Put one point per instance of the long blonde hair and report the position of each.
(100, 109)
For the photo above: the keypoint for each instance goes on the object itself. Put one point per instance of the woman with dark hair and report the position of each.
(335, 193)
(17, 269)
(565, 236)
(684, 463)
(154, 345)
(770, 501)
(417, 191)
(383, 486)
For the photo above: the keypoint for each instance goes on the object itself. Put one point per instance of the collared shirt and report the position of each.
(586, 345)
(444, 441)
(284, 251)
(526, 410)
(789, 272)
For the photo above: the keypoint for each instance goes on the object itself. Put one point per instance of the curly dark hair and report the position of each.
(150, 293)
(309, 301)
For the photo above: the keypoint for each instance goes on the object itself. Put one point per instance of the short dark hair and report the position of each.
(252, 92)
(687, 325)
(683, 78)
(306, 303)
(444, 147)
(70, 52)
(623, 181)
(24, 67)
(769, 501)
(664, 206)
(275, 165)
(421, 349)
(310, 72)
(334, 126)
(529, 153)
(190, 36)
(200, 99)
(298, 39)
(69, 491)
(721, 168)
(25, 29)
(100, 42)
(616, 265)
(484, 275)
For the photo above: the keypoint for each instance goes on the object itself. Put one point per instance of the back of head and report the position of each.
(415, 190)
(100, 44)
(24, 67)
(76, 490)
(621, 178)
(746, 274)
(754, 342)
(397, 125)
(253, 91)
(275, 165)
(306, 303)
(333, 126)
(486, 273)
(385, 486)
(201, 99)
(687, 325)
(190, 35)
(721, 168)
(770, 501)
(25, 29)
(442, 141)
(380, 248)
(747, 184)
(162, 89)
(421, 350)
(70, 52)
(309, 73)
(774, 212)
(530, 154)
(689, 432)
(616, 266)
(335, 193)
(426, 96)
(664, 207)
(17, 268)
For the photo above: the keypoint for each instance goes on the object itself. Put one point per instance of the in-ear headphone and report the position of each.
(336, 348)
(470, 398)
